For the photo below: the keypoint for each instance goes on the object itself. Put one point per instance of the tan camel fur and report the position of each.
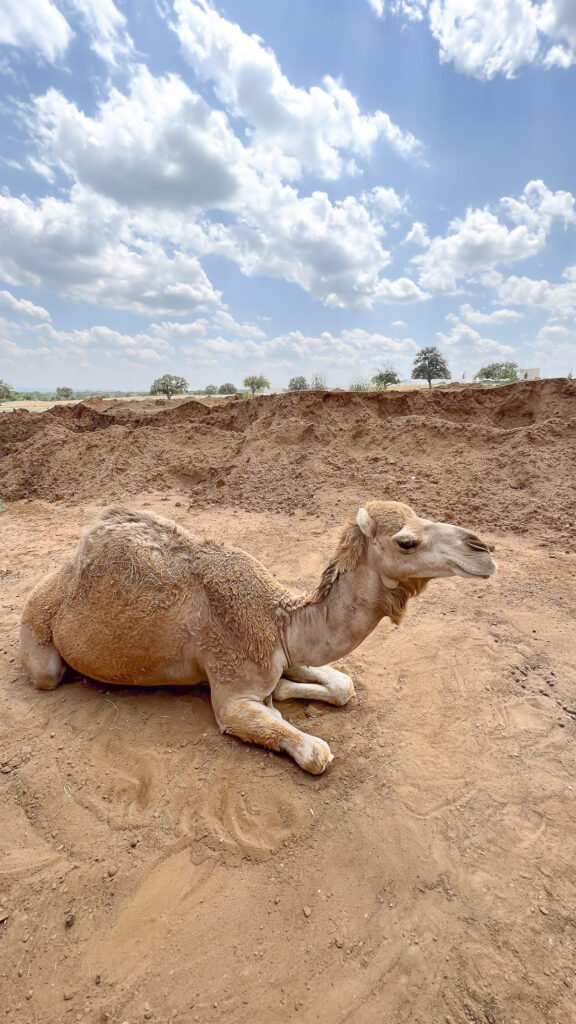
(145, 602)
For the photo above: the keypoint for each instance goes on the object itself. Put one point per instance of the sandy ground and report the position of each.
(152, 869)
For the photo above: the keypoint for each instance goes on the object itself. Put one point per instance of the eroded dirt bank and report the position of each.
(154, 870)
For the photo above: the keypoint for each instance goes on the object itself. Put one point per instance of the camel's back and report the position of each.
(148, 567)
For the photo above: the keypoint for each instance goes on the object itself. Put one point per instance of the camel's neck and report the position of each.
(349, 609)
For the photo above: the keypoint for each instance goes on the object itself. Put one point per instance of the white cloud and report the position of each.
(85, 250)
(480, 241)
(559, 299)
(469, 348)
(160, 148)
(552, 333)
(476, 242)
(485, 38)
(399, 323)
(418, 235)
(496, 316)
(537, 207)
(23, 308)
(35, 25)
(315, 126)
(107, 28)
(160, 145)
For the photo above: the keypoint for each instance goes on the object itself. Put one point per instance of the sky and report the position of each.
(289, 188)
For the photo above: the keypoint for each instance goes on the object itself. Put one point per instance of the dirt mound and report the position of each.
(501, 457)
(153, 869)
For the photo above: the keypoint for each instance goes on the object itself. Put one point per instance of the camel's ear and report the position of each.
(365, 522)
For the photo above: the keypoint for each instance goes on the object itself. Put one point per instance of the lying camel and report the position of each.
(145, 602)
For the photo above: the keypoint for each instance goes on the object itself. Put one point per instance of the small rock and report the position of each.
(112, 870)
(70, 918)
(306, 911)
(29, 994)
(339, 941)
(97, 979)
(133, 843)
(4, 915)
(543, 910)
(67, 994)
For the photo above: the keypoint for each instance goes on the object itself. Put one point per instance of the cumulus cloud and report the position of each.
(160, 145)
(84, 249)
(319, 127)
(485, 38)
(418, 235)
(22, 308)
(559, 299)
(496, 316)
(106, 26)
(467, 346)
(160, 148)
(36, 25)
(480, 240)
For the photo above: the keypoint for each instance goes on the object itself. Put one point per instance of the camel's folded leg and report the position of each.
(315, 684)
(254, 722)
(42, 662)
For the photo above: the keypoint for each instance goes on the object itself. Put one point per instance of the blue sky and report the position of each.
(290, 188)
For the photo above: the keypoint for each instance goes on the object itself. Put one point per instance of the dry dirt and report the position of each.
(153, 870)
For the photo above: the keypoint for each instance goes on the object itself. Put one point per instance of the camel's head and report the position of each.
(401, 546)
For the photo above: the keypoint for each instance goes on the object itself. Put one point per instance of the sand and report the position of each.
(154, 870)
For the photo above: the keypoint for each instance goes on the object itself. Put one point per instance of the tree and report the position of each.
(169, 385)
(318, 383)
(210, 389)
(498, 371)
(298, 384)
(359, 385)
(382, 378)
(64, 393)
(227, 389)
(430, 364)
(6, 392)
(256, 383)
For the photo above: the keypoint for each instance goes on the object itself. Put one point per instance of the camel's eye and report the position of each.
(407, 543)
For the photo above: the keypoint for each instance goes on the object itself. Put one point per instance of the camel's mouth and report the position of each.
(461, 570)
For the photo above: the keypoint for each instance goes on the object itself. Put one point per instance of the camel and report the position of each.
(145, 602)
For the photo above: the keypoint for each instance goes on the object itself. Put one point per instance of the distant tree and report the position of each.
(498, 371)
(6, 392)
(298, 384)
(64, 393)
(169, 385)
(256, 383)
(359, 385)
(318, 383)
(227, 389)
(210, 389)
(570, 375)
(382, 378)
(429, 365)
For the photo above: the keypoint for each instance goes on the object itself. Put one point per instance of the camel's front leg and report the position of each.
(315, 684)
(254, 722)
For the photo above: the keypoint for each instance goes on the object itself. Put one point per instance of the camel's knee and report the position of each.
(42, 662)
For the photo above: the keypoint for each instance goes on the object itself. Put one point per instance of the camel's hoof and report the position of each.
(314, 756)
(344, 691)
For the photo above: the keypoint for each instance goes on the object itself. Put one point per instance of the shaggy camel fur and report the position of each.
(144, 602)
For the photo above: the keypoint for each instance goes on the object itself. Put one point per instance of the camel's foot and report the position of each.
(42, 662)
(255, 722)
(323, 683)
